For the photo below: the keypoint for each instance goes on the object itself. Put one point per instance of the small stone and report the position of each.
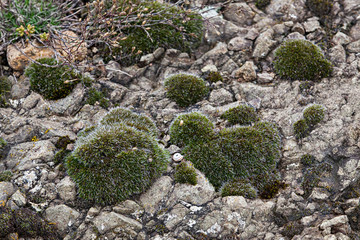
(265, 77)
(311, 25)
(18, 198)
(62, 215)
(246, 72)
(177, 157)
(6, 190)
(336, 221)
(341, 39)
(66, 189)
(220, 96)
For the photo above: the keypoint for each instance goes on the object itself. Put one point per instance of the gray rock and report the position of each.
(355, 31)
(239, 13)
(351, 5)
(20, 89)
(70, 104)
(295, 35)
(151, 198)
(6, 190)
(66, 189)
(62, 215)
(336, 221)
(337, 54)
(354, 47)
(341, 39)
(252, 34)
(220, 96)
(239, 44)
(311, 25)
(246, 73)
(18, 198)
(116, 74)
(147, 59)
(298, 28)
(199, 194)
(287, 9)
(158, 52)
(110, 220)
(129, 207)
(265, 77)
(263, 44)
(31, 101)
(218, 29)
(175, 216)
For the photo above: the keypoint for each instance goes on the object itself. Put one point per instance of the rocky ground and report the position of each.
(239, 43)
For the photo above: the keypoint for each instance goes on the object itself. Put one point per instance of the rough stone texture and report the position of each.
(66, 189)
(246, 73)
(6, 190)
(150, 200)
(110, 220)
(62, 215)
(70, 46)
(355, 31)
(239, 13)
(354, 47)
(263, 44)
(239, 44)
(337, 54)
(311, 25)
(220, 96)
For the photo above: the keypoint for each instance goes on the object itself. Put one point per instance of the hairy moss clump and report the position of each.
(5, 176)
(116, 160)
(52, 82)
(314, 114)
(214, 77)
(63, 141)
(131, 119)
(191, 128)
(307, 160)
(261, 4)
(301, 129)
(301, 60)
(97, 96)
(26, 223)
(247, 153)
(185, 173)
(3, 148)
(238, 187)
(185, 89)
(5, 87)
(243, 115)
(319, 7)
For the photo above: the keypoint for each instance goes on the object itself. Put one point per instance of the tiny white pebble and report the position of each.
(177, 157)
(181, 122)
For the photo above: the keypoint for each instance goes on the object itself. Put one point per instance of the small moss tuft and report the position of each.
(238, 187)
(320, 8)
(6, 176)
(60, 156)
(214, 77)
(190, 128)
(97, 96)
(185, 173)
(307, 160)
(314, 114)
(301, 129)
(52, 82)
(301, 60)
(185, 89)
(5, 87)
(261, 4)
(63, 141)
(243, 115)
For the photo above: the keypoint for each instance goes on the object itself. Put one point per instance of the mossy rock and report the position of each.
(191, 128)
(301, 60)
(52, 82)
(320, 8)
(261, 4)
(185, 173)
(243, 115)
(314, 114)
(5, 88)
(238, 187)
(301, 129)
(131, 119)
(4, 146)
(307, 160)
(6, 176)
(185, 89)
(159, 34)
(94, 96)
(214, 77)
(115, 161)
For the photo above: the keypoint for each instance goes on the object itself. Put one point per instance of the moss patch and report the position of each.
(243, 115)
(185, 173)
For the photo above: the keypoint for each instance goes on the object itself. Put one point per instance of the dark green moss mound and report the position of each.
(208, 158)
(5, 87)
(261, 4)
(272, 186)
(185, 173)
(114, 162)
(238, 187)
(63, 141)
(301, 129)
(319, 7)
(312, 177)
(94, 96)
(214, 77)
(185, 89)
(131, 119)
(60, 156)
(243, 115)
(5, 176)
(307, 160)
(314, 114)
(26, 223)
(191, 128)
(3, 148)
(292, 228)
(52, 82)
(301, 60)
(149, 27)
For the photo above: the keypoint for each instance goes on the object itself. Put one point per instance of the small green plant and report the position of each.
(319, 7)
(261, 4)
(97, 96)
(243, 115)
(60, 156)
(238, 187)
(307, 160)
(301, 129)
(314, 114)
(5, 87)
(115, 161)
(185, 89)
(26, 223)
(5, 176)
(313, 176)
(63, 141)
(53, 81)
(190, 128)
(214, 77)
(185, 173)
(3, 148)
(301, 60)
